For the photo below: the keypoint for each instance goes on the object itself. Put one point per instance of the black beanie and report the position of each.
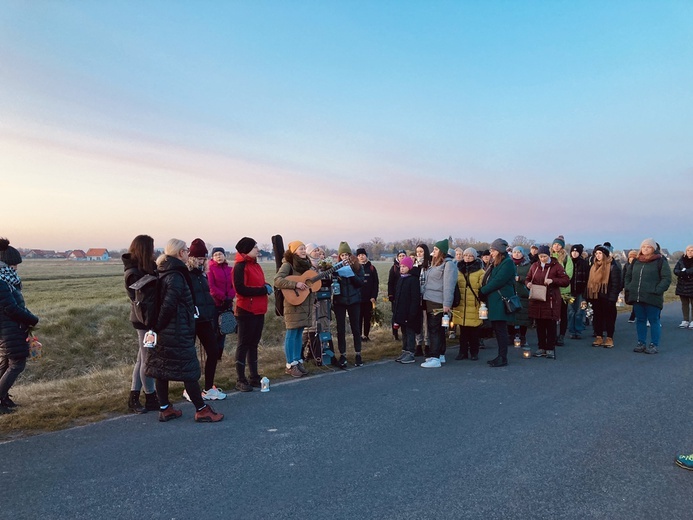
(361, 251)
(9, 254)
(577, 247)
(245, 245)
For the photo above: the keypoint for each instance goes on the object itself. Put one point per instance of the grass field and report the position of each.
(90, 346)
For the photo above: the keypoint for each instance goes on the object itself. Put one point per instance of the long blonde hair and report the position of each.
(173, 248)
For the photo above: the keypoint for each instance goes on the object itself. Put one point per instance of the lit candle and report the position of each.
(526, 353)
(483, 312)
(517, 342)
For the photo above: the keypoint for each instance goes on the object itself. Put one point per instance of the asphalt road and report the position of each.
(591, 435)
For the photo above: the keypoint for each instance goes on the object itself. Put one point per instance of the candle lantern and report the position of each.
(517, 342)
(621, 302)
(526, 353)
(483, 312)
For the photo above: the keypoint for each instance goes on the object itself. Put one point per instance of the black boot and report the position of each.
(151, 402)
(134, 403)
(499, 362)
(255, 377)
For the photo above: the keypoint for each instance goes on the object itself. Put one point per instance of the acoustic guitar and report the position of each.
(296, 297)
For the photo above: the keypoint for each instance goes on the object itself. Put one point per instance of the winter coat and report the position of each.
(645, 283)
(202, 298)
(295, 316)
(350, 288)
(174, 357)
(392, 279)
(500, 277)
(469, 276)
(250, 287)
(132, 274)
(439, 283)
(521, 317)
(581, 272)
(220, 279)
(551, 308)
(15, 320)
(407, 304)
(614, 286)
(684, 273)
(371, 284)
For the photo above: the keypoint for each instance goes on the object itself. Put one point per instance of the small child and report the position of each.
(406, 313)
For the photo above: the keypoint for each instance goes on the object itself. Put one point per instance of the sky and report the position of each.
(325, 121)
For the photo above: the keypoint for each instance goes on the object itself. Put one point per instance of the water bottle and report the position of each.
(336, 291)
(264, 384)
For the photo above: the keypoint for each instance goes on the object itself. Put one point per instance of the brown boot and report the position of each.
(598, 341)
(207, 414)
(608, 343)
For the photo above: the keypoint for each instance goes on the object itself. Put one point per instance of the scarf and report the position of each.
(9, 275)
(599, 277)
(300, 265)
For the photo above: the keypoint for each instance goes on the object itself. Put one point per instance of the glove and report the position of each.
(269, 288)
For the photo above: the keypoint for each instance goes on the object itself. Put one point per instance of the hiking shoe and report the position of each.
(243, 386)
(401, 356)
(685, 462)
(302, 368)
(293, 371)
(342, 361)
(358, 362)
(608, 343)
(442, 359)
(684, 324)
(550, 354)
(169, 413)
(640, 347)
(540, 353)
(151, 402)
(431, 363)
(598, 342)
(407, 358)
(207, 414)
(8, 402)
(213, 394)
(652, 349)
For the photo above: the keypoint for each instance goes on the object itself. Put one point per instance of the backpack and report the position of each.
(457, 297)
(146, 304)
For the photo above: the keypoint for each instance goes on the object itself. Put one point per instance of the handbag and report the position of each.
(539, 292)
(512, 304)
(227, 322)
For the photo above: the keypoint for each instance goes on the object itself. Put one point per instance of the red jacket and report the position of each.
(249, 283)
(551, 308)
(220, 278)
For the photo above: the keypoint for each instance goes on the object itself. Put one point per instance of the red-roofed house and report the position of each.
(97, 254)
(77, 254)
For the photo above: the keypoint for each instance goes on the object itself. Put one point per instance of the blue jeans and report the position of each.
(645, 312)
(576, 316)
(293, 343)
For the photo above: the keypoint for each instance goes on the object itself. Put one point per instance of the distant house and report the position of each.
(40, 253)
(77, 254)
(97, 255)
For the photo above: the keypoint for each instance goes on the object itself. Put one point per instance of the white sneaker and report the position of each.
(213, 394)
(431, 363)
(684, 324)
(690, 325)
(187, 397)
(442, 359)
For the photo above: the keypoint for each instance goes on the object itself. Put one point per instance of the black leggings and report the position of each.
(546, 334)
(604, 317)
(192, 387)
(206, 333)
(249, 335)
(366, 313)
(340, 312)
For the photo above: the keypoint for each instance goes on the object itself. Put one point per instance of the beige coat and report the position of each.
(295, 316)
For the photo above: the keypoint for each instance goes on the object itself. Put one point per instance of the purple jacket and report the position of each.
(220, 278)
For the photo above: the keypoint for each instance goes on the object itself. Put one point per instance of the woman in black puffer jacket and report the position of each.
(15, 321)
(684, 286)
(174, 357)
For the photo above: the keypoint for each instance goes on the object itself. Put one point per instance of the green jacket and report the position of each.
(500, 278)
(646, 282)
(568, 268)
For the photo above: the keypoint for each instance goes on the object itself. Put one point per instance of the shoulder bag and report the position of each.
(538, 292)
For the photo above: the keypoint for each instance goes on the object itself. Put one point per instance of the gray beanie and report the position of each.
(500, 245)
(470, 251)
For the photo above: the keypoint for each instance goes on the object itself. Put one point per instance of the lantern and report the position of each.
(483, 312)
(621, 302)
(526, 353)
(517, 342)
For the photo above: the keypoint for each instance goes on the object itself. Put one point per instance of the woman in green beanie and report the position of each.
(348, 301)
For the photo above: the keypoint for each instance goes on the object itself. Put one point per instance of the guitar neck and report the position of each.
(327, 273)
